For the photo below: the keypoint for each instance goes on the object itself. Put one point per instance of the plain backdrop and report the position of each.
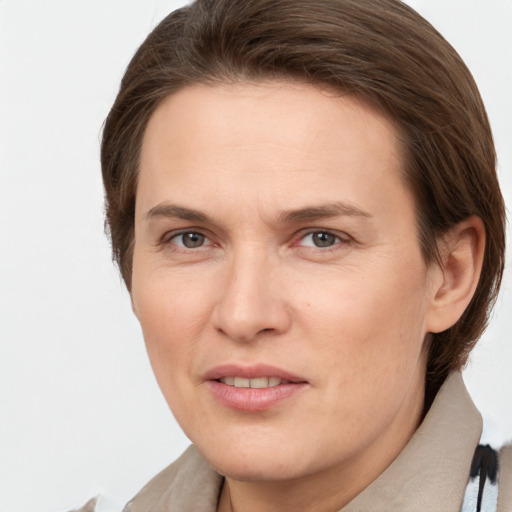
(80, 412)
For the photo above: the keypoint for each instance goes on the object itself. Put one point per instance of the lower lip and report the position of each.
(254, 399)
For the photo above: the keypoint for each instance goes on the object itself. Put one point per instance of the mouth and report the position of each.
(257, 383)
(253, 388)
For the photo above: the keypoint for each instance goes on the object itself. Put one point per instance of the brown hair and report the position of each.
(380, 50)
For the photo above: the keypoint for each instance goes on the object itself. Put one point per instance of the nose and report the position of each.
(252, 301)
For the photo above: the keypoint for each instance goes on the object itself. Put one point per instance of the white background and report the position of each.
(80, 413)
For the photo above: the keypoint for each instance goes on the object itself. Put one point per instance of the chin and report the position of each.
(257, 462)
(254, 469)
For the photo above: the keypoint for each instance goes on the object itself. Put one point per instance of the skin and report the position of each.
(349, 317)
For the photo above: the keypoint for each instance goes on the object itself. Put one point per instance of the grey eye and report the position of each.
(324, 239)
(190, 240)
(320, 239)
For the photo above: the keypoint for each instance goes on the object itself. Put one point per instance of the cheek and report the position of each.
(169, 301)
(366, 328)
(172, 317)
(367, 351)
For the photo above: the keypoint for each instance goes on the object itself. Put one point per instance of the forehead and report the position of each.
(285, 142)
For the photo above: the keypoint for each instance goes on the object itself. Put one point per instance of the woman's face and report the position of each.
(278, 278)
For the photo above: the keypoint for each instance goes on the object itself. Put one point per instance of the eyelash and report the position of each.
(338, 239)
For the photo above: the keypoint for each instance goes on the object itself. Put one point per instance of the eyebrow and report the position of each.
(325, 211)
(180, 212)
(310, 213)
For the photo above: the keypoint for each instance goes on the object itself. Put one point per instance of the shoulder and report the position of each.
(189, 484)
(90, 506)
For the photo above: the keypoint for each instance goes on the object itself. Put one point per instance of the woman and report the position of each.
(303, 203)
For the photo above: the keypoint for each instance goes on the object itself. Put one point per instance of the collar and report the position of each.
(432, 471)
(430, 474)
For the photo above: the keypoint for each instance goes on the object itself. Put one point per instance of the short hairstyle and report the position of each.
(381, 51)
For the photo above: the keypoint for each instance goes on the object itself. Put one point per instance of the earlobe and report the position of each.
(462, 252)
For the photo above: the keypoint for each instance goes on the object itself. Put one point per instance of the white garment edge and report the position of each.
(493, 436)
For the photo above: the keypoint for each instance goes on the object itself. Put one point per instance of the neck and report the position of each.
(312, 494)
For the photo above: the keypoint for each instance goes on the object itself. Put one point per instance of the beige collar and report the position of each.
(429, 475)
(432, 471)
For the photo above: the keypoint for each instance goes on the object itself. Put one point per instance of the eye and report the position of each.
(189, 240)
(320, 239)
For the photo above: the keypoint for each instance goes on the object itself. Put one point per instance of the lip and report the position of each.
(251, 372)
(253, 399)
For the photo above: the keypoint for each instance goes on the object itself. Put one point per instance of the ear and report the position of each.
(456, 276)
